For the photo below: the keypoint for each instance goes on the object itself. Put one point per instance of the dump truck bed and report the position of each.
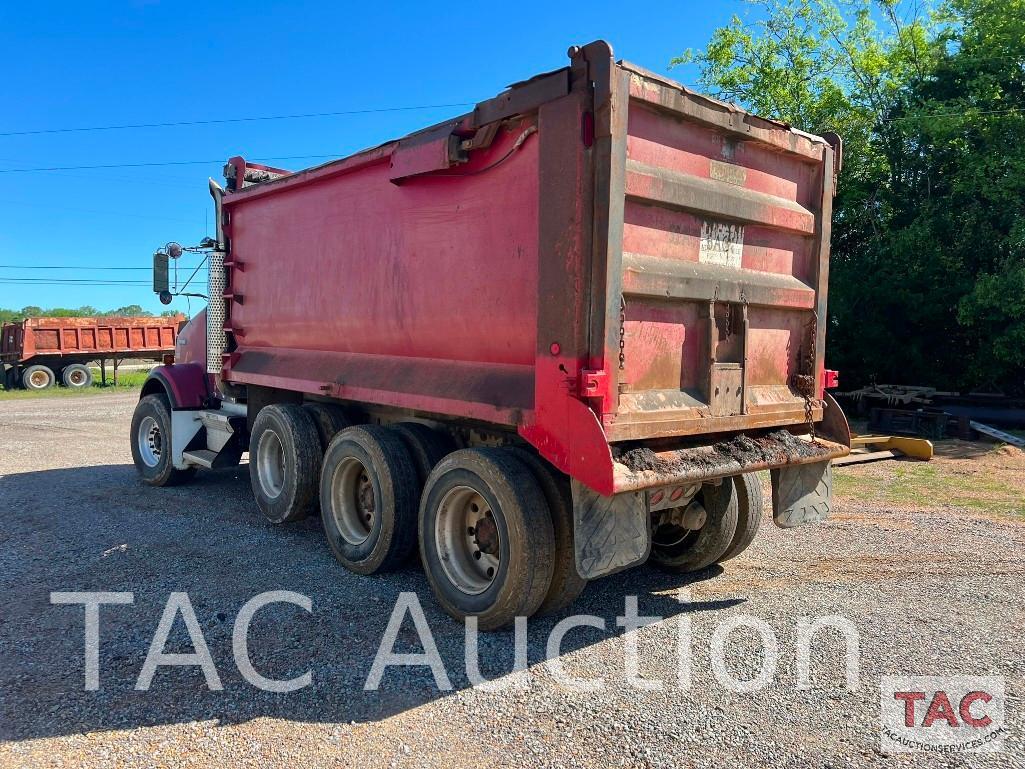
(597, 256)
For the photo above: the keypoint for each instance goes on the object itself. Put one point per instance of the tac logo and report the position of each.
(947, 714)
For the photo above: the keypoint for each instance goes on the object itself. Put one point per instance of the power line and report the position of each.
(337, 113)
(158, 164)
(215, 121)
(74, 281)
(132, 287)
(155, 164)
(77, 267)
(127, 214)
(177, 182)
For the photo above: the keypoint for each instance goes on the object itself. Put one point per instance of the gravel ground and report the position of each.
(932, 589)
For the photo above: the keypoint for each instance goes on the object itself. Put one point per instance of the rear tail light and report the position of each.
(830, 379)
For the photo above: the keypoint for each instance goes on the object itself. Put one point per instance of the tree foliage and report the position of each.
(929, 230)
(85, 311)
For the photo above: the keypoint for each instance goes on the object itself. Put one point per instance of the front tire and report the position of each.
(284, 462)
(486, 537)
(151, 443)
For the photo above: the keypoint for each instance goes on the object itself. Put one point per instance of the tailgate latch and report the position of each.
(592, 383)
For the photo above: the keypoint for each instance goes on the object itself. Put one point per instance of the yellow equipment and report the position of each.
(869, 448)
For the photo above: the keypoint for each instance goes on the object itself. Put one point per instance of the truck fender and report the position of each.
(184, 385)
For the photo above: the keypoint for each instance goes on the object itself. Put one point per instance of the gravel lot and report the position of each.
(932, 588)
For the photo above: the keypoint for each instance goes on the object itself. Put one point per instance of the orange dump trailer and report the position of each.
(38, 353)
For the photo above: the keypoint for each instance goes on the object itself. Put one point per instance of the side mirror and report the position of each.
(161, 281)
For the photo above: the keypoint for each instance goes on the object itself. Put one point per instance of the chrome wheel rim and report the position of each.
(150, 441)
(468, 540)
(353, 501)
(270, 464)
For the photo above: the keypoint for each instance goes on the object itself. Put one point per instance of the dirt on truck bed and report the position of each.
(926, 560)
(774, 447)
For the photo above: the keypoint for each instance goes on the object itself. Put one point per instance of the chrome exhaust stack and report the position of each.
(216, 340)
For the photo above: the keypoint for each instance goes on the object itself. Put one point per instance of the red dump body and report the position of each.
(111, 337)
(598, 255)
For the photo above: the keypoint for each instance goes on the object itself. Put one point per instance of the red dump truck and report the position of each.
(542, 342)
(37, 353)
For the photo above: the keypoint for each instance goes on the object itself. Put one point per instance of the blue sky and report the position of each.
(69, 65)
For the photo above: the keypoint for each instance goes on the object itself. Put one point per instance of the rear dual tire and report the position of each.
(284, 462)
(368, 499)
(329, 419)
(567, 584)
(750, 503)
(733, 511)
(77, 376)
(681, 550)
(486, 537)
(38, 378)
(426, 446)
(484, 520)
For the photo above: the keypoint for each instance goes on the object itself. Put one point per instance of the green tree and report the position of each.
(980, 168)
(130, 311)
(820, 65)
(927, 233)
(84, 311)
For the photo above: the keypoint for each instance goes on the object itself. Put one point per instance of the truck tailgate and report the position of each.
(725, 238)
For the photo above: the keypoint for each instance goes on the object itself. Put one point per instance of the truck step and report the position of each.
(211, 460)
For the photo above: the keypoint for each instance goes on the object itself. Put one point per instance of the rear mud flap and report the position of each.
(802, 494)
(610, 533)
